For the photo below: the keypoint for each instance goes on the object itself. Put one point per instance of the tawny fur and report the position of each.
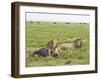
(51, 44)
(56, 51)
(53, 47)
(77, 43)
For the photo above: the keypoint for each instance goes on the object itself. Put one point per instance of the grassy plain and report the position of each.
(38, 34)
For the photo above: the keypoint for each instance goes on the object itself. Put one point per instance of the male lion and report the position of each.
(77, 43)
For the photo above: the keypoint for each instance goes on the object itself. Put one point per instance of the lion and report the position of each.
(77, 43)
(53, 48)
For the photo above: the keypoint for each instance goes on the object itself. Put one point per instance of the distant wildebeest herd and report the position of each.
(53, 49)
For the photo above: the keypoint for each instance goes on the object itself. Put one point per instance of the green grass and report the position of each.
(37, 35)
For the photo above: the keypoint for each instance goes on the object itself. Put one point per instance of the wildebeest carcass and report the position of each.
(45, 52)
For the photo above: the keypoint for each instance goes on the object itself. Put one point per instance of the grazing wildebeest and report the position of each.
(77, 43)
(31, 22)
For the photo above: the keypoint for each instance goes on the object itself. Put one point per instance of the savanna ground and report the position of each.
(38, 34)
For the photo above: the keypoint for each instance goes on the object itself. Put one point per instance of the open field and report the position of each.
(38, 34)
